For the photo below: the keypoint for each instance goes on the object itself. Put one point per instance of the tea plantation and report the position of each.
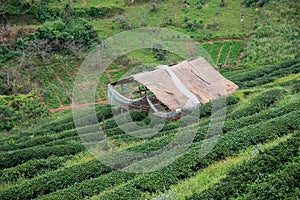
(255, 156)
(49, 161)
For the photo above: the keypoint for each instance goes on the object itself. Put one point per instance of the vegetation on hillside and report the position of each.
(50, 146)
(276, 34)
(254, 43)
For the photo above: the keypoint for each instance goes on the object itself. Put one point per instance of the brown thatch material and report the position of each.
(198, 77)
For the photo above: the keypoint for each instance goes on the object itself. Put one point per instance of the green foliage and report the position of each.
(5, 53)
(284, 182)
(274, 40)
(127, 191)
(35, 139)
(259, 3)
(117, 120)
(263, 75)
(270, 113)
(59, 32)
(13, 158)
(31, 169)
(190, 162)
(14, 7)
(224, 52)
(242, 176)
(261, 120)
(16, 109)
(91, 187)
(96, 12)
(214, 51)
(200, 3)
(54, 181)
(206, 46)
(103, 112)
(259, 102)
(206, 109)
(42, 10)
(235, 50)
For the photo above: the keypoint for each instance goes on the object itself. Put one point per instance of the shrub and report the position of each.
(259, 117)
(224, 52)
(13, 158)
(260, 102)
(55, 181)
(284, 182)
(235, 50)
(18, 108)
(5, 53)
(59, 33)
(91, 187)
(206, 109)
(262, 75)
(31, 169)
(259, 3)
(96, 12)
(190, 162)
(259, 168)
(34, 140)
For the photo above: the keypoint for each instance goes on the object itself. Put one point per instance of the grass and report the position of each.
(173, 14)
(273, 39)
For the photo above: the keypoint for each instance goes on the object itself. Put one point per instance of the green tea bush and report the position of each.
(260, 102)
(260, 167)
(151, 145)
(26, 142)
(113, 132)
(190, 162)
(120, 119)
(91, 187)
(13, 158)
(235, 50)
(75, 140)
(270, 113)
(280, 185)
(294, 69)
(224, 53)
(103, 112)
(31, 168)
(125, 192)
(214, 50)
(206, 109)
(55, 180)
(263, 75)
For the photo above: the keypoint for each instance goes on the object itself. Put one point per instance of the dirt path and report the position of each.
(218, 56)
(55, 110)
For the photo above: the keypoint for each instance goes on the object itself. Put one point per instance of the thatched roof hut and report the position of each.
(179, 88)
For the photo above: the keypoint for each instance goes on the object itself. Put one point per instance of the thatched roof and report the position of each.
(184, 85)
